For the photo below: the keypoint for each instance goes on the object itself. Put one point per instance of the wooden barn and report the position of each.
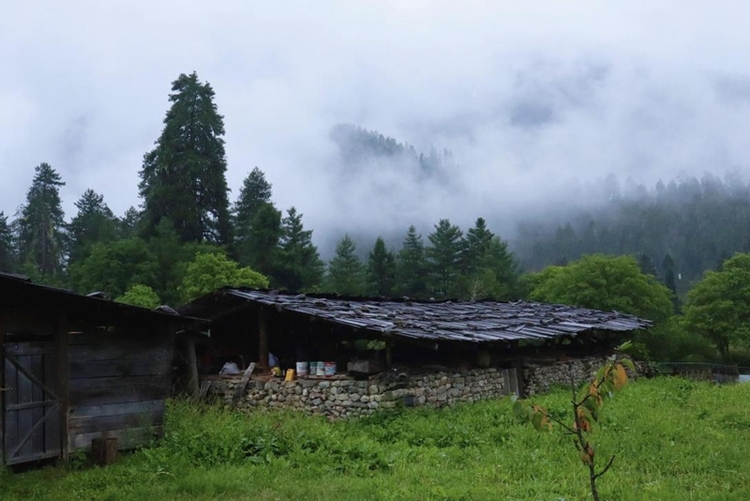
(77, 368)
(368, 336)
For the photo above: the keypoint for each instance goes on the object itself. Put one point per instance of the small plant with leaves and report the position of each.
(586, 405)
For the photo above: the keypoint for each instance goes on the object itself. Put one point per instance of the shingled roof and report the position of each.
(464, 321)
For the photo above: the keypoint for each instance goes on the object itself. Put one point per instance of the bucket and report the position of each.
(301, 369)
(330, 368)
(320, 369)
(289, 375)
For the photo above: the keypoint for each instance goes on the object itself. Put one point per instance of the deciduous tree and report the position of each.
(719, 305)
(209, 272)
(606, 283)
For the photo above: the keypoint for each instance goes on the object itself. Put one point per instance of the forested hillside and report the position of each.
(684, 227)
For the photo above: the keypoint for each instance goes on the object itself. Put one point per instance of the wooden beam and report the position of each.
(262, 338)
(240, 389)
(61, 332)
(192, 362)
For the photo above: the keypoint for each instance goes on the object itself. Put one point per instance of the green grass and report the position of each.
(674, 439)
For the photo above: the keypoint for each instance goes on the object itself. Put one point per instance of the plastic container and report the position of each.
(301, 369)
(330, 368)
(289, 375)
(320, 369)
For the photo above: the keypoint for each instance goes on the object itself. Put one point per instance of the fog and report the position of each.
(538, 103)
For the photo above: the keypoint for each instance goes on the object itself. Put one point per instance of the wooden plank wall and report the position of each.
(118, 384)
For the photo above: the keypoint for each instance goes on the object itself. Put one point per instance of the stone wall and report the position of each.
(341, 398)
(539, 376)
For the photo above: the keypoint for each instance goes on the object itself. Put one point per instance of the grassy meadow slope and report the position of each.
(674, 439)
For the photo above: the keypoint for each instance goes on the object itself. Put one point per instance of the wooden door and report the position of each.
(31, 423)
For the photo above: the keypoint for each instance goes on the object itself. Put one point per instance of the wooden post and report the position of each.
(2, 390)
(104, 451)
(192, 362)
(262, 338)
(61, 334)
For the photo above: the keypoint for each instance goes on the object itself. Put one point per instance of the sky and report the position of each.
(536, 100)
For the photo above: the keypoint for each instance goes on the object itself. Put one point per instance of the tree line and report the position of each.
(186, 239)
(186, 214)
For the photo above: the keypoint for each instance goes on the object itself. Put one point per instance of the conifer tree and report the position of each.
(128, 226)
(299, 266)
(345, 271)
(255, 192)
(411, 266)
(478, 240)
(381, 270)
(259, 248)
(6, 245)
(444, 258)
(93, 224)
(40, 227)
(183, 178)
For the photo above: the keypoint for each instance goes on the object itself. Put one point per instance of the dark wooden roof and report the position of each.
(476, 322)
(17, 291)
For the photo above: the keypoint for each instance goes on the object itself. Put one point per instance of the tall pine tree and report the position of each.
(478, 240)
(183, 178)
(381, 270)
(93, 224)
(41, 228)
(255, 192)
(345, 271)
(7, 261)
(444, 258)
(411, 266)
(299, 266)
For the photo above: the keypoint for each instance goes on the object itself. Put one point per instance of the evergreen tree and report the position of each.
(669, 276)
(495, 274)
(128, 226)
(646, 264)
(6, 245)
(93, 224)
(444, 258)
(478, 241)
(40, 228)
(255, 192)
(381, 270)
(299, 266)
(411, 266)
(257, 225)
(345, 271)
(259, 247)
(183, 178)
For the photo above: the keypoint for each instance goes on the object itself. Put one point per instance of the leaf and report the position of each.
(621, 377)
(629, 364)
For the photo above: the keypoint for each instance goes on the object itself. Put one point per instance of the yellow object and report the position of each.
(275, 371)
(289, 375)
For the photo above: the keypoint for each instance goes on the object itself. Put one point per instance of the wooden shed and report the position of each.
(76, 368)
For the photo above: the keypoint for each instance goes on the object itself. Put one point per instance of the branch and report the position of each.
(565, 426)
(611, 460)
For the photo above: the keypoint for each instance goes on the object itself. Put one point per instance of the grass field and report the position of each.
(674, 439)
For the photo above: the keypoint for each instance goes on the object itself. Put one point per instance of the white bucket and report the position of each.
(301, 369)
(330, 368)
(320, 369)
